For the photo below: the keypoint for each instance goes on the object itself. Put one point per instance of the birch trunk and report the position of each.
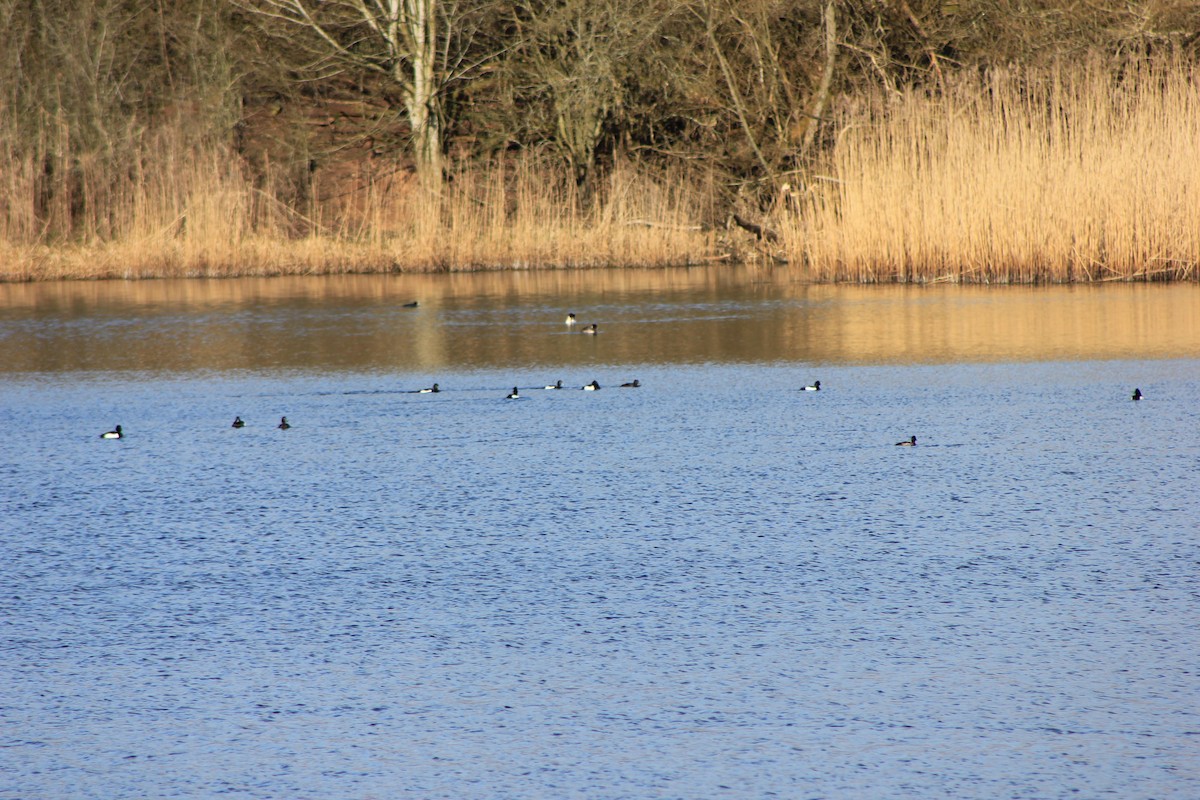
(418, 28)
(401, 38)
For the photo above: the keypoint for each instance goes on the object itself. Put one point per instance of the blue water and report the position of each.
(712, 586)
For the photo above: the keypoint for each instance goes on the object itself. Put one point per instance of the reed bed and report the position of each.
(189, 210)
(1082, 173)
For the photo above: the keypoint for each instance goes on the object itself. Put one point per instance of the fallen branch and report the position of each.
(761, 232)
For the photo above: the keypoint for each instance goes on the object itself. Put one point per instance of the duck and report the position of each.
(514, 395)
(431, 390)
(814, 387)
(115, 433)
(283, 424)
(571, 319)
(413, 304)
(591, 387)
(238, 423)
(557, 385)
(592, 329)
(633, 384)
(910, 442)
(1137, 394)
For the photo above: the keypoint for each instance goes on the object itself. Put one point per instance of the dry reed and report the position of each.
(187, 210)
(1084, 173)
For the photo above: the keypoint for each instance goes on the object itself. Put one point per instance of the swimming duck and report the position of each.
(911, 442)
(1137, 394)
(633, 384)
(815, 387)
(283, 424)
(557, 385)
(115, 433)
(413, 304)
(431, 390)
(570, 319)
(515, 395)
(237, 422)
(590, 329)
(591, 387)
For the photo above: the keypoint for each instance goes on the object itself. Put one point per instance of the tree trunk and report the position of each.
(421, 89)
(818, 108)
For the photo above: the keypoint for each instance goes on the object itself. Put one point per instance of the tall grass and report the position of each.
(1081, 173)
(178, 208)
(1085, 173)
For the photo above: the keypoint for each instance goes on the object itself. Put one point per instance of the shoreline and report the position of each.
(798, 275)
(69, 273)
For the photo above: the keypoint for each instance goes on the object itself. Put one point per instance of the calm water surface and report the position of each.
(716, 585)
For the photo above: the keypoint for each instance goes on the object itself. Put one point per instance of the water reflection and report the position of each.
(506, 319)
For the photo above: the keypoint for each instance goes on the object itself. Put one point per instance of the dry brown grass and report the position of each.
(185, 211)
(1078, 174)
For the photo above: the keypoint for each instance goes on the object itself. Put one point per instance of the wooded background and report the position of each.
(329, 97)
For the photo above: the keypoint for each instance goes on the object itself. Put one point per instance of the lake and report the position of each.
(714, 585)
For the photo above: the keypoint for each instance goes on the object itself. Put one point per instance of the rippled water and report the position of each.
(715, 585)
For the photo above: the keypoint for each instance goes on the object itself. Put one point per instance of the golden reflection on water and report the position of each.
(503, 319)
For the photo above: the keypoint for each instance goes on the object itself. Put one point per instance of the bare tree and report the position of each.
(767, 73)
(580, 59)
(88, 89)
(406, 41)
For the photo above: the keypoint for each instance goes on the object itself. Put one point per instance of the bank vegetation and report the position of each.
(850, 140)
